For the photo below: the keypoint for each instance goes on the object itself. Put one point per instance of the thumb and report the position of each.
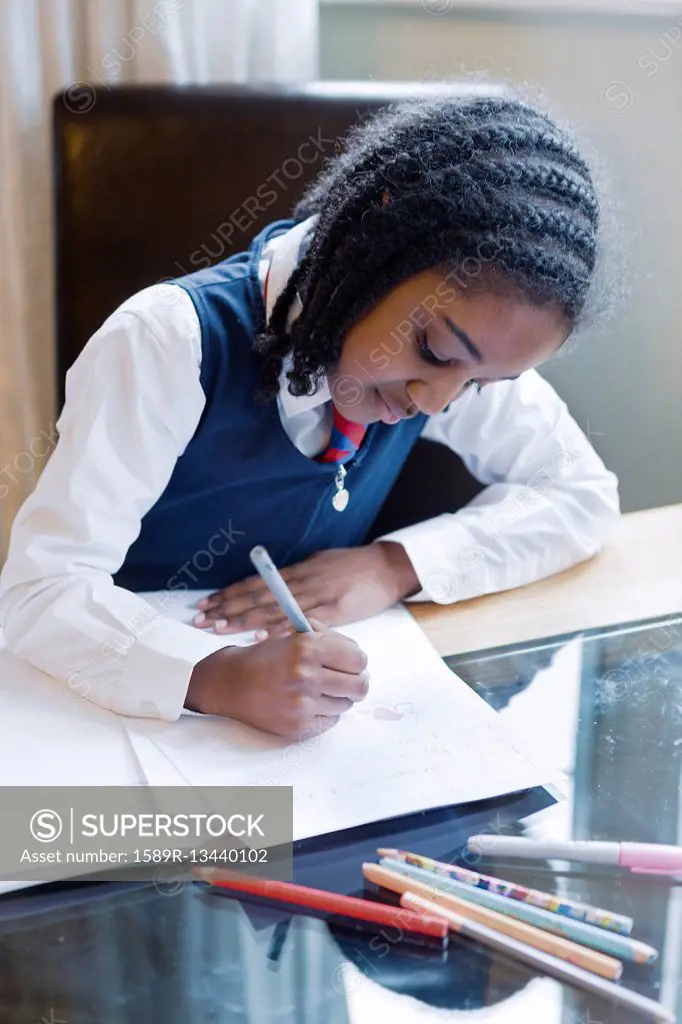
(286, 629)
(319, 626)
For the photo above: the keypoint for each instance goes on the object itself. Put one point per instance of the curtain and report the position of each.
(47, 45)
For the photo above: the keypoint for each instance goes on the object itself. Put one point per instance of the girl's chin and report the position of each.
(363, 413)
(363, 420)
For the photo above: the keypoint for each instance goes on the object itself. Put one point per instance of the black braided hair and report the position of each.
(488, 188)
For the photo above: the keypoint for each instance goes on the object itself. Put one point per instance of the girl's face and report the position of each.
(424, 343)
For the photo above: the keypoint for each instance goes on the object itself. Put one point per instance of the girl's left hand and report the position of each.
(336, 586)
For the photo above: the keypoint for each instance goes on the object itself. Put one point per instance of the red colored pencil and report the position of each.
(330, 902)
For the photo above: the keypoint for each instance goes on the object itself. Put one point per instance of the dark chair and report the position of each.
(155, 181)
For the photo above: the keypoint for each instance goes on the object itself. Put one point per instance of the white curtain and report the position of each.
(46, 45)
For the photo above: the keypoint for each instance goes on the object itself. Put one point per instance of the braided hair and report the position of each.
(488, 188)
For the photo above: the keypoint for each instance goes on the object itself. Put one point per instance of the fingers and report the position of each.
(333, 707)
(234, 590)
(285, 628)
(274, 621)
(252, 591)
(322, 723)
(269, 617)
(244, 623)
(255, 610)
(345, 685)
(319, 624)
(341, 653)
(234, 609)
(335, 655)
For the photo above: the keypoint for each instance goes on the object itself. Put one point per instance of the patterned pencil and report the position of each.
(622, 946)
(546, 901)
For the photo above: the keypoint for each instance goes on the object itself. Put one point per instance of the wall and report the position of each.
(618, 80)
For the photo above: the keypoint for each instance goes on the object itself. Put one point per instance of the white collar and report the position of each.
(281, 254)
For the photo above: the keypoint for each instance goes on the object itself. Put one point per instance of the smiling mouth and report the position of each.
(394, 413)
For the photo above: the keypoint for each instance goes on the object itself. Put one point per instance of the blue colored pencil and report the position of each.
(597, 938)
(270, 575)
(557, 904)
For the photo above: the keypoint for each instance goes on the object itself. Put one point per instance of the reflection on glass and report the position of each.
(369, 1002)
(605, 708)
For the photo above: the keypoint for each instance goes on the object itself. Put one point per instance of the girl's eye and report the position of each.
(427, 355)
(430, 357)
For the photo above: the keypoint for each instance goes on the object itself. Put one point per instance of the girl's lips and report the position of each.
(386, 414)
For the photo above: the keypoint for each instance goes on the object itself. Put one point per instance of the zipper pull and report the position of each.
(340, 499)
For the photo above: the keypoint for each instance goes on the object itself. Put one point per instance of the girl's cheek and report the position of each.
(379, 360)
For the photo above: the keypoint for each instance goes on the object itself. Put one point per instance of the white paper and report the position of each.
(421, 739)
(181, 605)
(51, 738)
(6, 887)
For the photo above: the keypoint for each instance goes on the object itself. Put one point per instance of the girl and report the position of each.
(272, 399)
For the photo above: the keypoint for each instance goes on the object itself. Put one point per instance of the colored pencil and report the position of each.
(546, 901)
(276, 584)
(589, 959)
(544, 962)
(329, 902)
(608, 942)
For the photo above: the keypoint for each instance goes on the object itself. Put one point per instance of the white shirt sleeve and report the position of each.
(133, 401)
(550, 501)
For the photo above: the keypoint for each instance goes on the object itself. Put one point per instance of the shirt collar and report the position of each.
(281, 255)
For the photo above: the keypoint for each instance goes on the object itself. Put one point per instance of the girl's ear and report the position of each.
(385, 197)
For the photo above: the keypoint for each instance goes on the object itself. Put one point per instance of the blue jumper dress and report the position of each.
(241, 481)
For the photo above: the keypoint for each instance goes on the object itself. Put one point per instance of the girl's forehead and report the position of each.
(507, 329)
(480, 324)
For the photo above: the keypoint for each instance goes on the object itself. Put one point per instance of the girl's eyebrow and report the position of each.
(465, 339)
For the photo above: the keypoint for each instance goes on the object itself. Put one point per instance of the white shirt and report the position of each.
(133, 402)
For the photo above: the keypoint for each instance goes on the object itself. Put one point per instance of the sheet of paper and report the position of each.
(6, 887)
(49, 738)
(421, 739)
(182, 606)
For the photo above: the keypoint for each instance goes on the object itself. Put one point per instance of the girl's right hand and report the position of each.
(295, 685)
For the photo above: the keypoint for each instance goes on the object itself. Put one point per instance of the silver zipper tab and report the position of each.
(340, 499)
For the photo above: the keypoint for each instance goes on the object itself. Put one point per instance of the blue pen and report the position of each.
(608, 942)
(267, 569)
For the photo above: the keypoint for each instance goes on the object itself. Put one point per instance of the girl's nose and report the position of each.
(431, 398)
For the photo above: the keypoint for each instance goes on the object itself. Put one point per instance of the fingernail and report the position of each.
(204, 603)
(219, 624)
(261, 634)
(198, 619)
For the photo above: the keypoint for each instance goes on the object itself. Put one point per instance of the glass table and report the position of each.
(603, 706)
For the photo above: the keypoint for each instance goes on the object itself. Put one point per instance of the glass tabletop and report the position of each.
(604, 706)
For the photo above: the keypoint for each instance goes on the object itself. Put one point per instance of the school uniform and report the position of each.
(168, 470)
